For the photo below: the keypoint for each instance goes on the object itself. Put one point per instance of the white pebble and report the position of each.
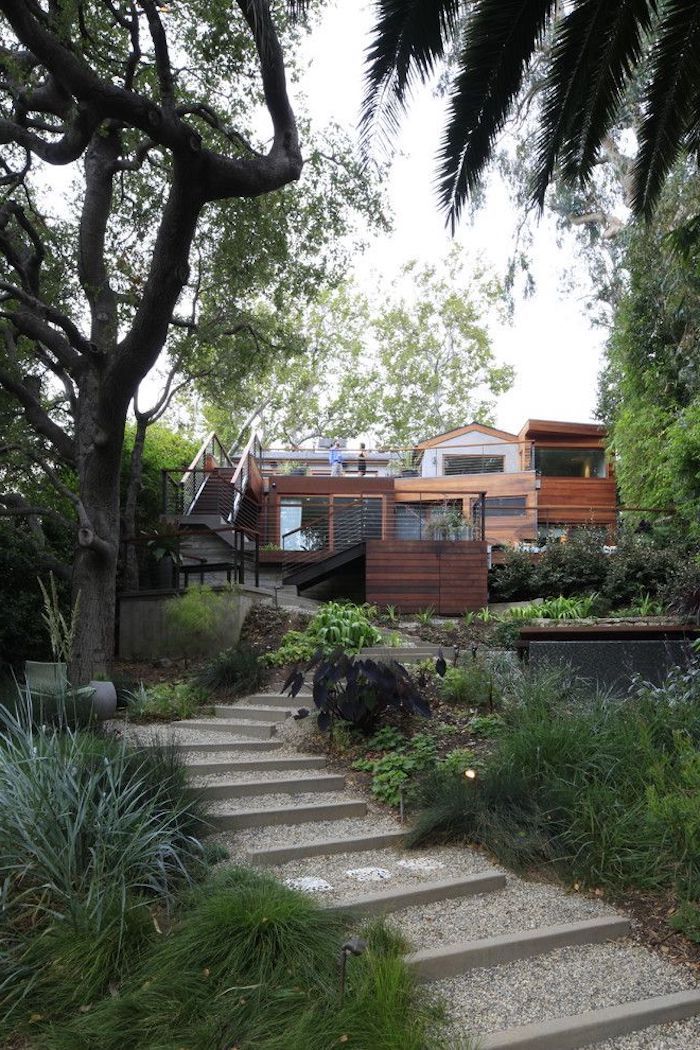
(369, 874)
(309, 884)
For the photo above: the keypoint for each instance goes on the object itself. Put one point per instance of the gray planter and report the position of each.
(104, 700)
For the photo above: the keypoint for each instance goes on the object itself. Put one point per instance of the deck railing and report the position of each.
(427, 517)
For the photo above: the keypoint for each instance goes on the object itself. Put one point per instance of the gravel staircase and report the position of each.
(521, 965)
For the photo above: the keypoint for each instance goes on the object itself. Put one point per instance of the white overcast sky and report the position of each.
(551, 343)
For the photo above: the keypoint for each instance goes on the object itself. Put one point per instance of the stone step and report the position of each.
(405, 656)
(289, 703)
(256, 765)
(595, 1026)
(253, 714)
(258, 730)
(424, 893)
(325, 847)
(294, 814)
(433, 964)
(251, 788)
(232, 747)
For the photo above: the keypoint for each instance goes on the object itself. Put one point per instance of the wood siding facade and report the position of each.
(451, 577)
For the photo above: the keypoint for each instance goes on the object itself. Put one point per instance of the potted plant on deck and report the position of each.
(448, 523)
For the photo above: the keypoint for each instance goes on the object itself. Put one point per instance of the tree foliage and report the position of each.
(595, 49)
(417, 362)
(650, 388)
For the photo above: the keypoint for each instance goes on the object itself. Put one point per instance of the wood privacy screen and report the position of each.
(450, 576)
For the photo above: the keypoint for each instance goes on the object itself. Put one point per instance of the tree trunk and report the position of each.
(99, 438)
(131, 565)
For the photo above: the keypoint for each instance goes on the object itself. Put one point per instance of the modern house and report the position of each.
(415, 528)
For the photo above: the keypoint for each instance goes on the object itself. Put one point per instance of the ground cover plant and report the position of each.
(96, 839)
(164, 702)
(605, 791)
(238, 670)
(337, 625)
(250, 963)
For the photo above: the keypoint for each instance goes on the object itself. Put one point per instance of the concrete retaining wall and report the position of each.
(143, 633)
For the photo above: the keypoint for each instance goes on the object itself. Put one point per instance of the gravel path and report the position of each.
(237, 843)
(311, 798)
(520, 906)
(681, 1035)
(560, 983)
(260, 776)
(404, 867)
(563, 982)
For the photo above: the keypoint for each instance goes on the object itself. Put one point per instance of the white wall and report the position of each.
(474, 444)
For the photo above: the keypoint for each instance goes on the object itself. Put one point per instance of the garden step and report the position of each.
(257, 765)
(253, 714)
(281, 700)
(408, 655)
(595, 1026)
(294, 814)
(251, 788)
(325, 847)
(260, 730)
(432, 964)
(230, 746)
(424, 893)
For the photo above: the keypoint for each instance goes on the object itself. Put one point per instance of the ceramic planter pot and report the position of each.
(104, 700)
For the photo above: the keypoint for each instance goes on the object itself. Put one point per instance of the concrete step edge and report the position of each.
(260, 765)
(251, 788)
(424, 893)
(297, 814)
(595, 1026)
(325, 847)
(252, 714)
(449, 960)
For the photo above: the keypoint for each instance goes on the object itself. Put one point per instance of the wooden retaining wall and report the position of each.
(450, 576)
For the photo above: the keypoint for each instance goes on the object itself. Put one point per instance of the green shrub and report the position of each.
(491, 725)
(336, 625)
(605, 790)
(237, 670)
(469, 686)
(639, 567)
(252, 963)
(687, 920)
(201, 621)
(164, 703)
(343, 625)
(578, 566)
(515, 579)
(456, 762)
(93, 833)
(681, 591)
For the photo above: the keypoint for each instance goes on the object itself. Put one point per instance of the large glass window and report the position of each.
(304, 523)
(473, 465)
(570, 462)
(356, 519)
(505, 506)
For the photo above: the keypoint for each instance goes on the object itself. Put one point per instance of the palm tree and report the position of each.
(595, 49)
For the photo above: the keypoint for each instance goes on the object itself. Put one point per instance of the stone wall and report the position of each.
(142, 630)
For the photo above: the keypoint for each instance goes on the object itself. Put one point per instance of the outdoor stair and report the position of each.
(250, 766)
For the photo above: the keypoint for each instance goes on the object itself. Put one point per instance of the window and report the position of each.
(356, 519)
(473, 465)
(303, 523)
(570, 462)
(411, 518)
(505, 506)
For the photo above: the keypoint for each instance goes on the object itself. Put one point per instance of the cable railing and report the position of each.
(426, 518)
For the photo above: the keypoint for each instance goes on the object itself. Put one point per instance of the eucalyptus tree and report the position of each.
(153, 106)
(596, 48)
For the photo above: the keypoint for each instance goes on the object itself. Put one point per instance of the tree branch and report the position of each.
(33, 411)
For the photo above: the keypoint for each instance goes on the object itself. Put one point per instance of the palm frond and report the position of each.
(675, 76)
(409, 39)
(500, 39)
(596, 46)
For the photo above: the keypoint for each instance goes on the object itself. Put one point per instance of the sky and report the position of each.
(550, 341)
